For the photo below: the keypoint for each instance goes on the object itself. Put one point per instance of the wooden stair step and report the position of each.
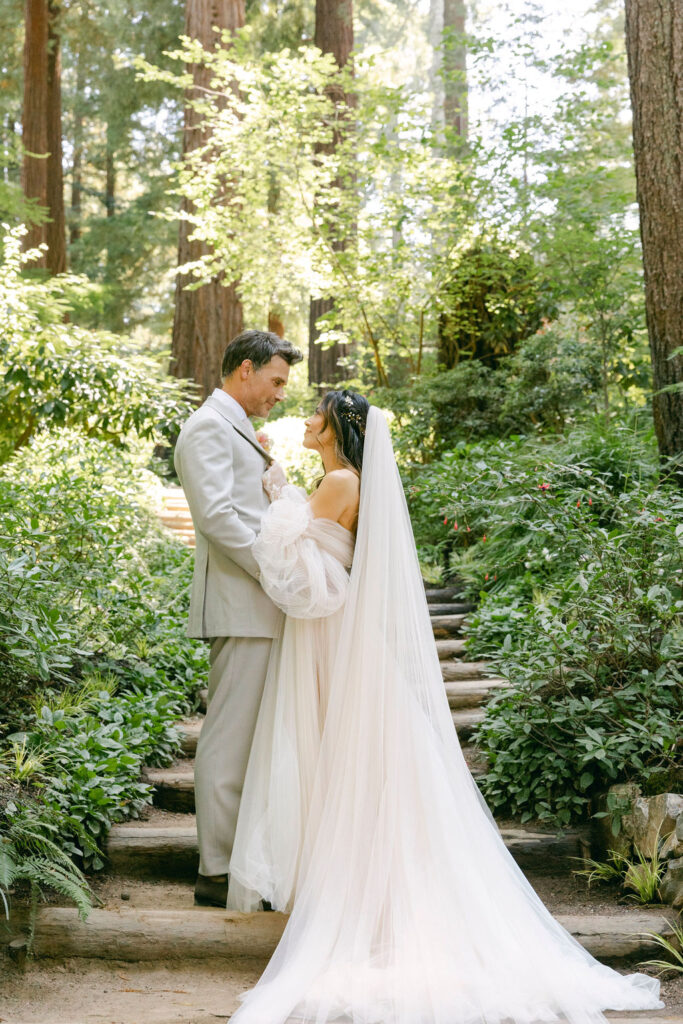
(189, 730)
(451, 608)
(138, 934)
(464, 720)
(445, 626)
(450, 648)
(154, 850)
(451, 669)
(173, 787)
(433, 593)
(470, 693)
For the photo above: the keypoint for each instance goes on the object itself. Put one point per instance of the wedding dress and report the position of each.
(359, 813)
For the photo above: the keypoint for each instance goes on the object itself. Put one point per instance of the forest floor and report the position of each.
(76, 990)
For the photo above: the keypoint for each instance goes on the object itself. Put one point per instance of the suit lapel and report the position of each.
(240, 426)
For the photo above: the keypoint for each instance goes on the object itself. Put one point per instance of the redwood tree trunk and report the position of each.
(455, 67)
(34, 122)
(333, 34)
(42, 176)
(207, 318)
(654, 40)
(56, 226)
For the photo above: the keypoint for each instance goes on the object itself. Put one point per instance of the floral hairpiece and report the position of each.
(349, 412)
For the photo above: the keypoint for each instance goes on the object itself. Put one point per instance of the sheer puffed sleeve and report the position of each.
(302, 559)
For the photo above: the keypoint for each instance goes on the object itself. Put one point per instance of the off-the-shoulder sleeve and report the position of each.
(303, 579)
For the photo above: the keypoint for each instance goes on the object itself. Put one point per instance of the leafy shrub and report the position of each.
(577, 555)
(55, 373)
(545, 385)
(92, 633)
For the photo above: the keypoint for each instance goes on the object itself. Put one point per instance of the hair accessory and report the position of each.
(350, 413)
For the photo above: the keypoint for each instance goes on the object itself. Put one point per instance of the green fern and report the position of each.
(30, 853)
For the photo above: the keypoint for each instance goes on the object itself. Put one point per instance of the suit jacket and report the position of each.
(220, 464)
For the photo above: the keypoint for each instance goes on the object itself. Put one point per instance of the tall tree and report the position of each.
(455, 67)
(42, 179)
(34, 123)
(333, 34)
(56, 225)
(654, 42)
(206, 318)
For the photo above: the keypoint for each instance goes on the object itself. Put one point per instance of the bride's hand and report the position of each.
(274, 479)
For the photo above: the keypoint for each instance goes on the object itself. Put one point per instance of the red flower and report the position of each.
(445, 520)
(455, 526)
(484, 537)
(544, 487)
(468, 529)
(486, 576)
(578, 504)
(590, 501)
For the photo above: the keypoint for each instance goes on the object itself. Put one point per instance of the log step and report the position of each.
(452, 670)
(450, 608)
(174, 786)
(136, 934)
(450, 648)
(155, 850)
(445, 626)
(442, 594)
(471, 693)
(464, 720)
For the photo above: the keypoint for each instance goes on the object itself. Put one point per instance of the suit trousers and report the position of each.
(236, 680)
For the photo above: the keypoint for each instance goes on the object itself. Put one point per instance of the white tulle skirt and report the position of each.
(361, 816)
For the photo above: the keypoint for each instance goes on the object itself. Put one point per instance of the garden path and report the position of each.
(162, 960)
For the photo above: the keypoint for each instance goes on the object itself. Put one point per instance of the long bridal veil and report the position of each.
(408, 908)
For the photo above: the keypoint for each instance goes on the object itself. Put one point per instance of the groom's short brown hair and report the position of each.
(260, 347)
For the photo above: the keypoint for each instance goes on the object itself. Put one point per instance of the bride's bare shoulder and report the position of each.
(337, 492)
(340, 481)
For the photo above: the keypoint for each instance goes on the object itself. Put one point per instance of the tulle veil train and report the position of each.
(408, 907)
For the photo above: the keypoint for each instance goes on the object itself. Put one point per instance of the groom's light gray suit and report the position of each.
(220, 465)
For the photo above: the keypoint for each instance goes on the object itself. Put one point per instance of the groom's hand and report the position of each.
(274, 479)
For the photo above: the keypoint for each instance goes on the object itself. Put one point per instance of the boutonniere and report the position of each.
(264, 440)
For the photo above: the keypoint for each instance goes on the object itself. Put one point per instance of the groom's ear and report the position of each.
(246, 367)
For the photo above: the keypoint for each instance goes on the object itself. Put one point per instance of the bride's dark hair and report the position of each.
(347, 413)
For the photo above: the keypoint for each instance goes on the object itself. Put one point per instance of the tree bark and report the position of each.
(207, 318)
(455, 68)
(333, 34)
(654, 41)
(42, 175)
(34, 124)
(77, 165)
(56, 226)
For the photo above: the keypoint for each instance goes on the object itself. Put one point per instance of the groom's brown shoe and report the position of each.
(210, 893)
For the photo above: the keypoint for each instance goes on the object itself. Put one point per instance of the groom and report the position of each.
(220, 464)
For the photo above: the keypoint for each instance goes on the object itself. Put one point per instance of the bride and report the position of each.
(359, 815)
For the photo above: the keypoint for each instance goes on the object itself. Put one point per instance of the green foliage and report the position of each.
(577, 556)
(53, 373)
(642, 875)
(33, 851)
(545, 385)
(674, 947)
(96, 664)
(493, 300)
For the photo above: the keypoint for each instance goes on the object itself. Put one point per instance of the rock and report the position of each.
(654, 819)
(679, 828)
(673, 847)
(603, 838)
(671, 887)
